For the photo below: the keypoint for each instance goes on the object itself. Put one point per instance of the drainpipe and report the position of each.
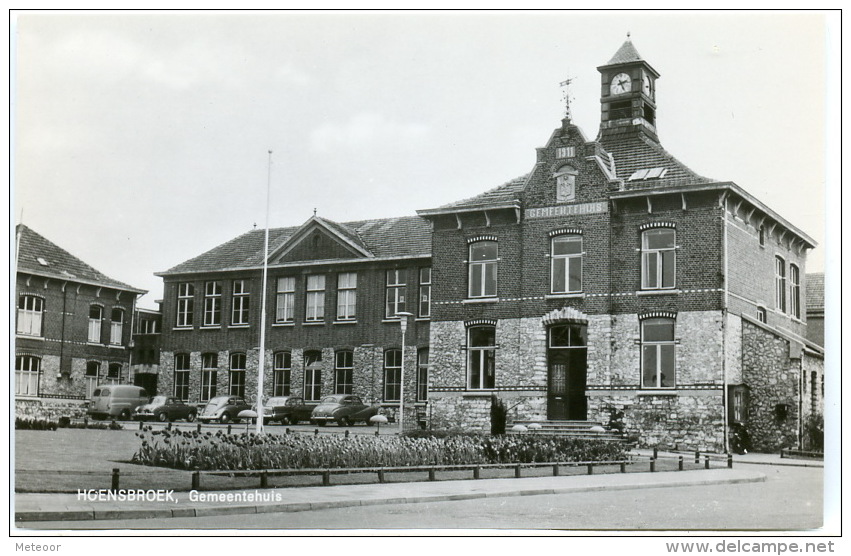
(801, 379)
(724, 328)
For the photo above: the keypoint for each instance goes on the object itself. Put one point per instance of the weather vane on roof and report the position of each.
(566, 97)
(314, 212)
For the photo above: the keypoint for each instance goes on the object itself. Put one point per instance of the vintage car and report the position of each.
(343, 409)
(165, 408)
(223, 409)
(287, 410)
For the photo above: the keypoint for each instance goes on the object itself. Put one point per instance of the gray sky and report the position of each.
(141, 139)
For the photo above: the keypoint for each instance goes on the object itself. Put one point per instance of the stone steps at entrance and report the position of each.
(589, 430)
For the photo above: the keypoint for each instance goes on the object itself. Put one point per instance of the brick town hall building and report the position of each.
(609, 278)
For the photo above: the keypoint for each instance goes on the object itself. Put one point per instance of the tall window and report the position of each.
(95, 320)
(343, 372)
(116, 326)
(780, 284)
(113, 373)
(422, 375)
(658, 363)
(27, 368)
(285, 300)
(658, 258)
(213, 303)
(181, 376)
(185, 304)
(483, 269)
(281, 376)
(566, 264)
(209, 375)
(481, 363)
(239, 309)
(392, 375)
(347, 295)
(237, 375)
(92, 377)
(315, 308)
(794, 291)
(424, 309)
(312, 375)
(395, 296)
(30, 310)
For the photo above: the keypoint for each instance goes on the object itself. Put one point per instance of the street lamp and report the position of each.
(403, 321)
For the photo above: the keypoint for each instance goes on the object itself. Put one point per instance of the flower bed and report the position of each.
(220, 451)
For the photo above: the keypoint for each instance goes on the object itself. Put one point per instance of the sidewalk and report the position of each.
(750, 458)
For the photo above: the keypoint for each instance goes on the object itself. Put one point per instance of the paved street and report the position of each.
(790, 499)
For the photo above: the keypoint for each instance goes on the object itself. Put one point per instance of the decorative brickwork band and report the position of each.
(474, 239)
(565, 314)
(657, 225)
(479, 322)
(563, 231)
(658, 315)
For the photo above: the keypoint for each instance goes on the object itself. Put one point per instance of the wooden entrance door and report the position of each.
(567, 362)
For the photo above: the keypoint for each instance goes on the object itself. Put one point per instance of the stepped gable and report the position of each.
(58, 263)
(635, 151)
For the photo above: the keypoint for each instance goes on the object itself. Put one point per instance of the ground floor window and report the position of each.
(481, 360)
(281, 375)
(27, 368)
(422, 375)
(92, 376)
(181, 385)
(343, 372)
(312, 375)
(237, 375)
(113, 373)
(658, 362)
(392, 375)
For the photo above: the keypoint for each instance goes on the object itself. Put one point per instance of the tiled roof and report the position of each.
(815, 291)
(506, 192)
(636, 151)
(625, 54)
(59, 263)
(406, 236)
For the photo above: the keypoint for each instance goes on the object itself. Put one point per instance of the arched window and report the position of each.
(794, 291)
(566, 264)
(658, 360)
(481, 357)
(95, 319)
(483, 268)
(343, 372)
(282, 369)
(27, 368)
(658, 258)
(30, 311)
(116, 330)
(392, 375)
(780, 284)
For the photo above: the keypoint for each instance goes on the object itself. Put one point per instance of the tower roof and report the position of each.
(625, 54)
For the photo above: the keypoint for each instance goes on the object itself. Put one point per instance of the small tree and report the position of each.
(499, 415)
(814, 433)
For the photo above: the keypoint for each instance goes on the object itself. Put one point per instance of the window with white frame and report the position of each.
(30, 312)
(658, 360)
(27, 368)
(213, 303)
(237, 375)
(395, 293)
(424, 309)
(148, 326)
(181, 376)
(481, 357)
(794, 291)
(392, 375)
(209, 375)
(658, 258)
(312, 375)
(113, 373)
(95, 320)
(282, 369)
(185, 304)
(761, 315)
(347, 296)
(315, 299)
(483, 269)
(116, 326)
(422, 375)
(92, 377)
(780, 284)
(285, 299)
(566, 264)
(239, 309)
(343, 372)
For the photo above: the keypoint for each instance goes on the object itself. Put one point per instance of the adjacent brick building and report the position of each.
(73, 328)
(611, 278)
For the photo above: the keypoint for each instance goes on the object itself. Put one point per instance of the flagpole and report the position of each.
(261, 363)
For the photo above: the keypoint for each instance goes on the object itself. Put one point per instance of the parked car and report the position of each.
(287, 410)
(165, 408)
(343, 409)
(223, 409)
(116, 401)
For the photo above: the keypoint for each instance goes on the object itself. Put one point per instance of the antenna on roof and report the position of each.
(566, 96)
(314, 212)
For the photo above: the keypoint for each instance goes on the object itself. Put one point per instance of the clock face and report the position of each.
(647, 85)
(621, 83)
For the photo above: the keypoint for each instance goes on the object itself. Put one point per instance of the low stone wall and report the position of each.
(49, 408)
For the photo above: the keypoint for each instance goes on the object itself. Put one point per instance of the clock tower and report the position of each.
(627, 94)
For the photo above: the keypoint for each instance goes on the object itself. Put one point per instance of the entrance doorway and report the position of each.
(567, 362)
